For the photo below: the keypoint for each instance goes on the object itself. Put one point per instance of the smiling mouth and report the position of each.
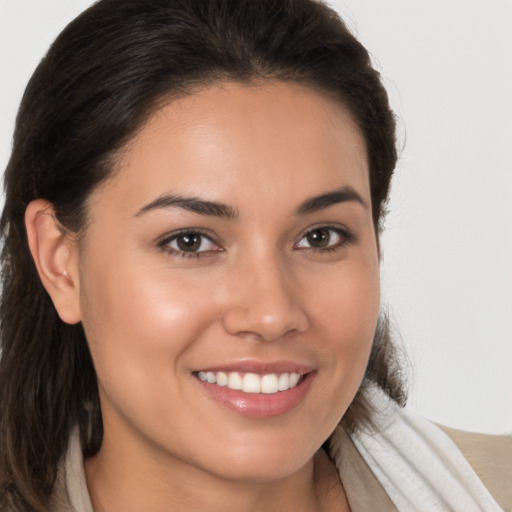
(267, 384)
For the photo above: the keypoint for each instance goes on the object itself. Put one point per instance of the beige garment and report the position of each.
(490, 457)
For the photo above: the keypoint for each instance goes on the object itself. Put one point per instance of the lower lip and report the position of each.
(259, 405)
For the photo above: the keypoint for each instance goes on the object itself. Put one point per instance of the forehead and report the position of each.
(236, 141)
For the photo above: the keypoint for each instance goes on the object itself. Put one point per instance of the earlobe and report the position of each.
(56, 258)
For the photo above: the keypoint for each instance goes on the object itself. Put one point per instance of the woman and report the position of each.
(190, 311)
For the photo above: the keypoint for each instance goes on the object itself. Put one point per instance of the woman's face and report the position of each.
(233, 247)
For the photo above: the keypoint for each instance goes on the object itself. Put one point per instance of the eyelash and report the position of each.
(346, 236)
(164, 244)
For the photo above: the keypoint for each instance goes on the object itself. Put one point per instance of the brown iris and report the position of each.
(320, 237)
(189, 242)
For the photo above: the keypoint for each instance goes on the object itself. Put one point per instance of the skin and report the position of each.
(259, 290)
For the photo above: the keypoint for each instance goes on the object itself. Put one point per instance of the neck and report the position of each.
(118, 481)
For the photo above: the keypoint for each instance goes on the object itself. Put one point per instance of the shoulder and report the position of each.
(491, 459)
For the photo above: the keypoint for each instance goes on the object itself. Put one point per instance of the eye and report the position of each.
(323, 238)
(189, 243)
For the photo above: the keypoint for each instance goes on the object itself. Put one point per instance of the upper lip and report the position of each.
(259, 367)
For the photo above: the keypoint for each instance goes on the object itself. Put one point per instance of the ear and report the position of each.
(56, 257)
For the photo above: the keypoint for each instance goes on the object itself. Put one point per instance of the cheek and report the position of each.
(138, 321)
(347, 303)
(344, 314)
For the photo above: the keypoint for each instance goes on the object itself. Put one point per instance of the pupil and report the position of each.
(189, 242)
(319, 238)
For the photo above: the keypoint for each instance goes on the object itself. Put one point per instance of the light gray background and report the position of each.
(447, 266)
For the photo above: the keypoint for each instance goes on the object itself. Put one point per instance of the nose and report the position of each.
(264, 303)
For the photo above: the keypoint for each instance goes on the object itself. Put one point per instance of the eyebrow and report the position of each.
(215, 209)
(342, 195)
(192, 204)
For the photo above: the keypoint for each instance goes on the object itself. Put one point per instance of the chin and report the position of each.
(260, 472)
(262, 461)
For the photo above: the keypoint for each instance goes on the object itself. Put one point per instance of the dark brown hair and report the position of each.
(99, 82)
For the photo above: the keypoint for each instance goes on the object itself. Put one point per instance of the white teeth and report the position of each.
(251, 382)
(222, 379)
(234, 381)
(269, 384)
(283, 382)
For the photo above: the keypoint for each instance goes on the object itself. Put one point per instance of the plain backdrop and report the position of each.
(447, 248)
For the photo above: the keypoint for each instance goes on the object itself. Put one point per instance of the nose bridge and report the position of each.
(263, 299)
